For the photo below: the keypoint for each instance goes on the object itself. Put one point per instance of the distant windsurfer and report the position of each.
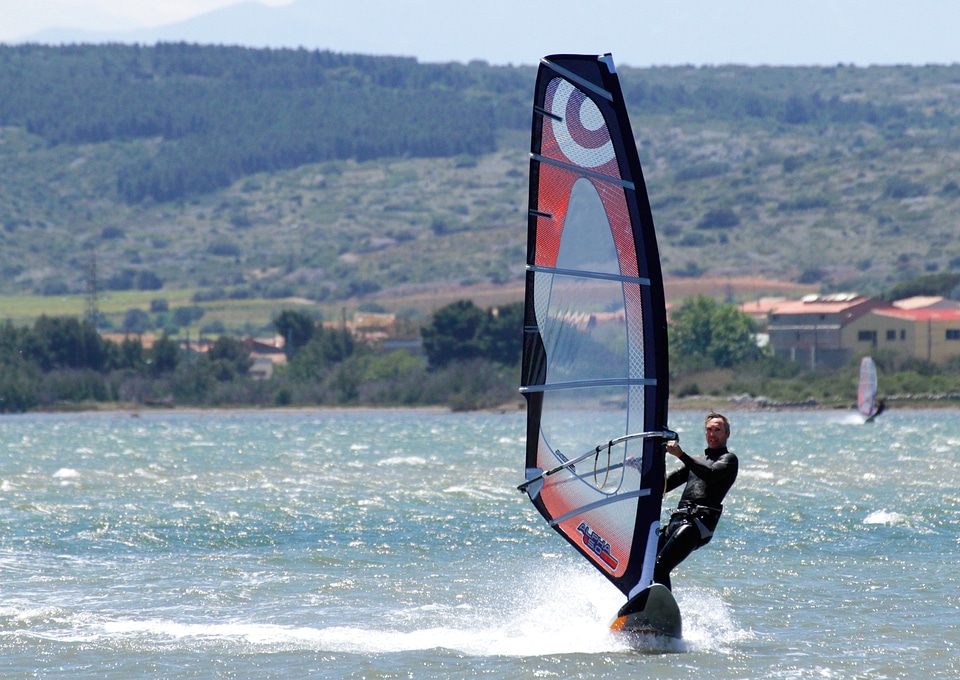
(881, 407)
(708, 478)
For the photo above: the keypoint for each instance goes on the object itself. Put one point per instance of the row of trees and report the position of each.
(63, 359)
(472, 361)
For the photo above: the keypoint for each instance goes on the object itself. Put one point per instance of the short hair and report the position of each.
(713, 415)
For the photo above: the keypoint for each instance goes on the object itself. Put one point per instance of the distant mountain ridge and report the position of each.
(506, 32)
(314, 24)
(245, 23)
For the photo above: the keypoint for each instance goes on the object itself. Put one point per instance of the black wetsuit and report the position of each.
(708, 479)
(880, 409)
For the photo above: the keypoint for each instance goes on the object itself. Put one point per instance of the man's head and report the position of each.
(717, 430)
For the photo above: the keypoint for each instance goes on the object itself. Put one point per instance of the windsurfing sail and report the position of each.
(867, 391)
(594, 370)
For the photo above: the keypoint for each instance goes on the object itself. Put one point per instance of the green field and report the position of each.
(248, 316)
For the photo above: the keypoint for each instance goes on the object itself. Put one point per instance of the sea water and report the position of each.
(364, 544)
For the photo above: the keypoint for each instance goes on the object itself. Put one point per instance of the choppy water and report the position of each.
(394, 545)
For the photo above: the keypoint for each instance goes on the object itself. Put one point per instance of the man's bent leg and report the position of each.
(681, 543)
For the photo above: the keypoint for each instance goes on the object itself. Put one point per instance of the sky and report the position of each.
(638, 32)
(24, 17)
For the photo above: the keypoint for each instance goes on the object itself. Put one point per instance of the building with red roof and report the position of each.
(811, 330)
(931, 334)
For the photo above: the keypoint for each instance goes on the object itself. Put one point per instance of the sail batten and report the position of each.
(589, 275)
(619, 498)
(613, 382)
(595, 345)
(588, 173)
(574, 78)
(540, 112)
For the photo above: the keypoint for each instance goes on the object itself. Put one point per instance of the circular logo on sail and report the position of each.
(582, 134)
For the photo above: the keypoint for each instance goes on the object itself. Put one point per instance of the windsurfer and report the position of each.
(708, 479)
(881, 407)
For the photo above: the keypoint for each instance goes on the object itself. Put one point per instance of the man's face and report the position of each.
(716, 434)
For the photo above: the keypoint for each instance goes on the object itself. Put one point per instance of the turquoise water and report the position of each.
(394, 545)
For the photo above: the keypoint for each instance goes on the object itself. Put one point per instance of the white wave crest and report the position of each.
(886, 518)
(404, 460)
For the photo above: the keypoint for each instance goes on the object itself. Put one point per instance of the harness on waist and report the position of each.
(690, 512)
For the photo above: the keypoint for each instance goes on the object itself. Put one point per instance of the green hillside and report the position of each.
(245, 175)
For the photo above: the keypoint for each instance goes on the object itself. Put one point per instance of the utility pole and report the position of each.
(343, 334)
(92, 312)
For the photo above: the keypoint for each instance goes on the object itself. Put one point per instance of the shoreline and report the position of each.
(746, 403)
(705, 404)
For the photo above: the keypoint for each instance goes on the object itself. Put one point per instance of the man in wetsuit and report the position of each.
(881, 407)
(707, 478)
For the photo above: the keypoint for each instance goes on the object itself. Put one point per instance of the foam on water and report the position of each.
(564, 612)
(708, 622)
(886, 517)
(574, 621)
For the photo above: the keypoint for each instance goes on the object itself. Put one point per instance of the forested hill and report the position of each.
(272, 173)
(225, 112)
(222, 113)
